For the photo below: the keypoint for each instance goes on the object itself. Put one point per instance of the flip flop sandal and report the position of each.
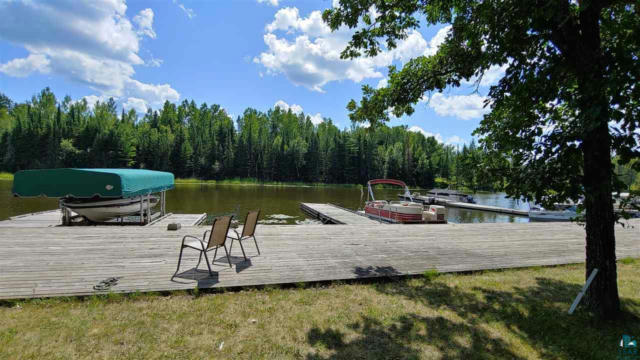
(106, 284)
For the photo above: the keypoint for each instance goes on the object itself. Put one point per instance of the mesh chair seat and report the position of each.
(217, 238)
(248, 231)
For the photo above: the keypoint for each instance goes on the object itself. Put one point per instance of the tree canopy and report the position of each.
(568, 101)
(203, 141)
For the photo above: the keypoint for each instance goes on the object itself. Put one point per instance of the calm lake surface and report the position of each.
(279, 204)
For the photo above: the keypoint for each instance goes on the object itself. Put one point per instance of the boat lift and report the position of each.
(100, 185)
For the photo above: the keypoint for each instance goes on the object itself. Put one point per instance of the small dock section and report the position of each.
(334, 214)
(38, 219)
(51, 218)
(462, 205)
(184, 219)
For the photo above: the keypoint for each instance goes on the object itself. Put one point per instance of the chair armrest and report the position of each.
(235, 231)
(193, 237)
(204, 236)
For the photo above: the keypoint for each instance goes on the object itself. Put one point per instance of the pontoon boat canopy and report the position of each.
(88, 183)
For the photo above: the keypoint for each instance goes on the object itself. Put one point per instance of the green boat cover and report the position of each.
(88, 183)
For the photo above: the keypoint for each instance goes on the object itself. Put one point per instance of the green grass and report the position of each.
(6, 176)
(512, 314)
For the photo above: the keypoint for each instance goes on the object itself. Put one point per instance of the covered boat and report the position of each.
(393, 211)
(97, 194)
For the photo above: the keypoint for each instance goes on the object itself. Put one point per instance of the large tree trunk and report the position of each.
(602, 296)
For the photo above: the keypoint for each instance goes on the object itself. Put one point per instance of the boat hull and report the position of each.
(100, 211)
(399, 213)
(551, 216)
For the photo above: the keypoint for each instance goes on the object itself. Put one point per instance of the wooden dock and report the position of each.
(52, 218)
(67, 261)
(333, 214)
(478, 207)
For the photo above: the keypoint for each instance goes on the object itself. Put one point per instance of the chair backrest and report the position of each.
(219, 231)
(250, 223)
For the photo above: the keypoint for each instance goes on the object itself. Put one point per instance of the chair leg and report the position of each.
(208, 266)
(242, 248)
(215, 253)
(199, 260)
(179, 260)
(231, 245)
(256, 241)
(228, 258)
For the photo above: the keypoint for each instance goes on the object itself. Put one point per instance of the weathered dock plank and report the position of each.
(335, 214)
(64, 261)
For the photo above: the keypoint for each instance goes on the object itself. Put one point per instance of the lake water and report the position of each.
(279, 204)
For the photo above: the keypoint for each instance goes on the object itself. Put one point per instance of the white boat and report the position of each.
(103, 210)
(451, 195)
(561, 212)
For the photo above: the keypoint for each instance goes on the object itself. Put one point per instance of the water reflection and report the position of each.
(279, 205)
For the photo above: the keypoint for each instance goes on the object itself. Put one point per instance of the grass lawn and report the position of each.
(6, 176)
(511, 314)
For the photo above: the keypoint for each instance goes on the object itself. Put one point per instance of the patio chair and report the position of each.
(248, 231)
(217, 237)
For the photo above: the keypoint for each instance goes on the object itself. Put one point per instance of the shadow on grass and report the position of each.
(472, 324)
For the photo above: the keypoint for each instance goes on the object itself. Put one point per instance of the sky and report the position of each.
(236, 53)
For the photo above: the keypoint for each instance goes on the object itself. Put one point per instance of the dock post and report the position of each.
(148, 208)
(163, 202)
(141, 210)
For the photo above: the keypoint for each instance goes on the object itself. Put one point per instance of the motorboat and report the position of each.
(451, 195)
(560, 212)
(102, 210)
(393, 211)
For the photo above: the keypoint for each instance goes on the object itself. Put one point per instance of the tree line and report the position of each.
(203, 142)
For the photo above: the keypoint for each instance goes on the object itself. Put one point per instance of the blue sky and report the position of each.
(239, 54)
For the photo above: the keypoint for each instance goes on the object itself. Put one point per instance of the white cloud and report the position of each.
(145, 23)
(25, 66)
(93, 99)
(490, 77)
(153, 62)
(464, 107)
(316, 119)
(437, 40)
(382, 83)
(155, 95)
(139, 105)
(187, 11)
(92, 43)
(452, 140)
(418, 129)
(295, 108)
(271, 2)
(308, 53)
(455, 140)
